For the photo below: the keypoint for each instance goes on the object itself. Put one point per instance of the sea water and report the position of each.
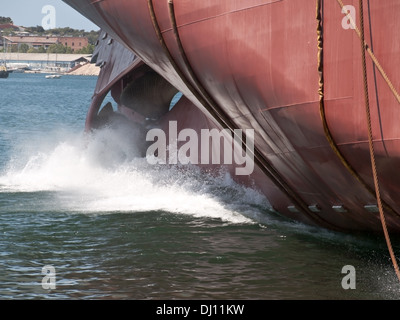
(82, 216)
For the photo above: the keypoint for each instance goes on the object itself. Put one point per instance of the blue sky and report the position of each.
(28, 13)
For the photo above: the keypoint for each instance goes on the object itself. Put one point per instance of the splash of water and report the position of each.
(102, 172)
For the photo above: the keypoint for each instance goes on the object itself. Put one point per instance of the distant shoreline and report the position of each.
(73, 64)
(88, 69)
(84, 70)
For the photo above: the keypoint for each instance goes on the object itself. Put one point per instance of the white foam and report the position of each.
(102, 173)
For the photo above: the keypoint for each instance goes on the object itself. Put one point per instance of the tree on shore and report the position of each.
(65, 32)
(38, 50)
(86, 50)
(23, 48)
(37, 29)
(6, 20)
(59, 48)
(92, 37)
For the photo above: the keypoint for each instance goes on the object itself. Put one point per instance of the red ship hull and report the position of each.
(293, 72)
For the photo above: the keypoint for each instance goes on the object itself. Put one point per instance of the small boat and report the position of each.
(3, 71)
(53, 76)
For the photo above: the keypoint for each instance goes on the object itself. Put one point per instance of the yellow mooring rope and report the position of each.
(364, 48)
(372, 55)
(371, 144)
(327, 131)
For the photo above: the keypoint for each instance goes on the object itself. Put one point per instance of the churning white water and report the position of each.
(102, 172)
(116, 227)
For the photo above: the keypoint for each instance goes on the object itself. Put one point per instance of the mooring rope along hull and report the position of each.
(291, 72)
